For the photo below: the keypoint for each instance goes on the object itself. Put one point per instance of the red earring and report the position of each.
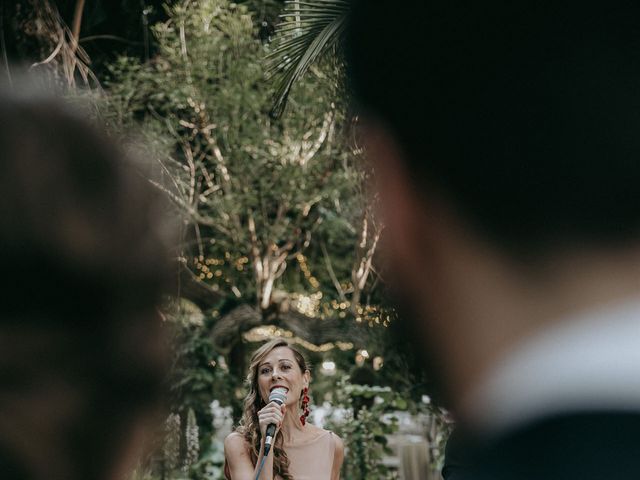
(305, 405)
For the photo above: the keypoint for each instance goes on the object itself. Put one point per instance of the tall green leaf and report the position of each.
(310, 29)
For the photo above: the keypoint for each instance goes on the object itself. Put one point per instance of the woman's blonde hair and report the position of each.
(249, 426)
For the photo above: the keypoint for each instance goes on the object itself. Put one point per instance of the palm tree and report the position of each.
(310, 29)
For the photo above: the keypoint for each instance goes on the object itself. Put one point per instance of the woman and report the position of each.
(301, 451)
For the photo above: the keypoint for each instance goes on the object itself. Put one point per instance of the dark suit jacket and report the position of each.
(581, 446)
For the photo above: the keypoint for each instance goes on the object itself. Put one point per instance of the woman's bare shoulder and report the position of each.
(235, 443)
(321, 431)
(338, 456)
(337, 441)
(315, 430)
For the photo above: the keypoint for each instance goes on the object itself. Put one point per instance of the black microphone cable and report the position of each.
(264, 457)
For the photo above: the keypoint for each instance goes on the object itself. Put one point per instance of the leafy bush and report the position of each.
(361, 418)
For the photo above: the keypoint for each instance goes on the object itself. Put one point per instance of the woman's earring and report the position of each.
(305, 405)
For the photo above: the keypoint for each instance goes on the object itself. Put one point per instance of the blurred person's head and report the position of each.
(506, 141)
(274, 364)
(85, 267)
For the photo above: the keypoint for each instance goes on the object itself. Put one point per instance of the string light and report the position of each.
(328, 367)
(262, 333)
(378, 363)
(302, 261)
(344, 346)
(203, 267)
(374, 315)
(308, 305)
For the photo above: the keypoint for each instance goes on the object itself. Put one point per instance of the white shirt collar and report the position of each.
(591, 361)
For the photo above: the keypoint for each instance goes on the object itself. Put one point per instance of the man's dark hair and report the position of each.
(524, 114)
(85, 267)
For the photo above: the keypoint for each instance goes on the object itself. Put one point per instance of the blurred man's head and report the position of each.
(506, 136)
(84, 266)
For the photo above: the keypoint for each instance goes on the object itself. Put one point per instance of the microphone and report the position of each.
(278, 395)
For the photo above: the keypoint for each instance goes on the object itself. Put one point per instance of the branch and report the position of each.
(192, 288)
(77, 23)
(52, 55)
(332, 274)
(360, 274)
(326, 124)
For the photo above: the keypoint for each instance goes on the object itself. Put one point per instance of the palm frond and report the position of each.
(310, 29)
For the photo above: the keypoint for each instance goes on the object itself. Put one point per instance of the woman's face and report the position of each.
(279, 368)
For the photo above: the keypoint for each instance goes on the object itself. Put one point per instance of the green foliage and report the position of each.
(311, 30)
(192, 438)
(257, 192)
(364, 428)
(210, 466)
(365, 416)
(196, 377)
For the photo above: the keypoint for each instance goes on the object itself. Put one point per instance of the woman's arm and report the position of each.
(338, 457)
(236, 452)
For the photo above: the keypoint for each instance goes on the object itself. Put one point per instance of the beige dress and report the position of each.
(312, 460)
